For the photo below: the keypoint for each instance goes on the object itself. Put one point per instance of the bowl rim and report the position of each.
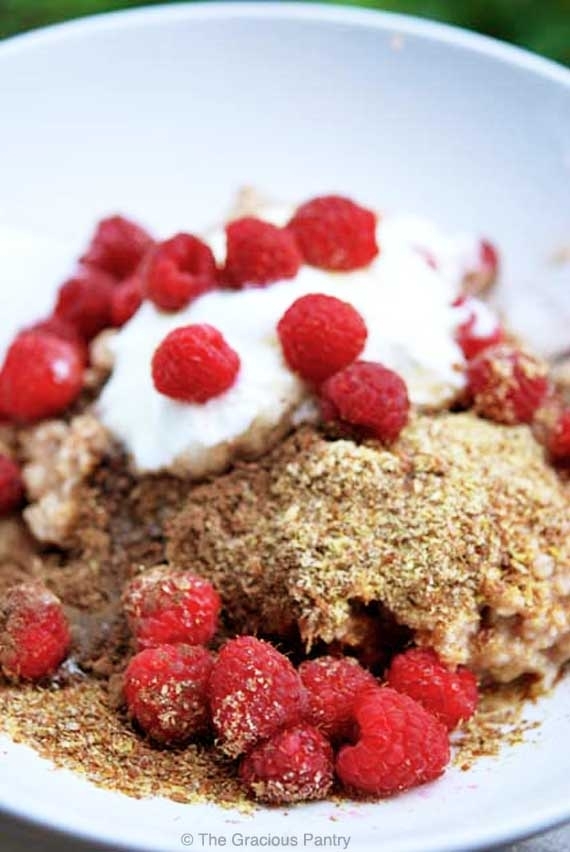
(549, 817)
(201, 10)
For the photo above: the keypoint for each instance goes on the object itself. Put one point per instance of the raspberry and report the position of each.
(84, 301)
(295, 765)
(194, 364)
(178, 271)
(254, 691)
(368, 397)
(450, 695)
(479, 331)
(401, 745)
(320, 335)
(485, 270)
(166, 690)
(117, 247)
(126, 299)
(335, 233)
(42, 375)
(34, 634)
(59, 327)
(507, 384)
(164, 606)
(332, 685)
(11, 485)
(259, 253)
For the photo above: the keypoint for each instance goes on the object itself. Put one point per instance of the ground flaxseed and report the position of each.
(76, 728)
(461, 531)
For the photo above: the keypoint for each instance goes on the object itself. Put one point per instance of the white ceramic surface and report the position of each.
(162, 114)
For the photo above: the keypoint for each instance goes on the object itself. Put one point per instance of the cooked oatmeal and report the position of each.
(460, 530)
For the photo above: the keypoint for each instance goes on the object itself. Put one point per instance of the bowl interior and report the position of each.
(163, 115)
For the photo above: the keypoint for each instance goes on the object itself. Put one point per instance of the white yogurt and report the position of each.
(486, 320)
(405, 303)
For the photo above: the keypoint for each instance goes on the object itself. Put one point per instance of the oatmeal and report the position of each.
(269, 493)
(460, 530)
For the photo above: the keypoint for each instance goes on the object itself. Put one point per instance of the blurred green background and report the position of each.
(540, 25)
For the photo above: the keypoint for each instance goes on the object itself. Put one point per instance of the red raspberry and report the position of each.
(164, 606)
(11, 486)
(485, 270)
(294, 765)
(84, 301)
(126, 299)
(401, 745)
(320, 335)
(451, 696)
(557, 435)
(42, 375)
(507, 384)
(34, 634)
(470, 339)
(194, 364)
(117, 247)
(368, 397)
(332, 684)
(178, 271)
(59, 327)
(254, 691)
(166, 690)
(259, 253)
(335, 233)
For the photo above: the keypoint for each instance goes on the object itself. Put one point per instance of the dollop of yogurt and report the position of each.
(405, 301)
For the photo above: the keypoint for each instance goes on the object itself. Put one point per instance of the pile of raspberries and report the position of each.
(293, 733)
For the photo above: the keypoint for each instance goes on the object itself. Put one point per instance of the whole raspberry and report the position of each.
(450, 695)
(164, 606)
(126, 299)
(41, 376)
(117, 247)
(479, 331)
(259, 253)
(294, 765)
(507, 384)
(34, 634)
(335, 233)
(59, 327)
(254, 691)
(194, 364)
(484, 271)
(368, 398)
(178, 271)
(84, 301)
(401, 745)
(166, 691)
(320, 335)
(332, 684)
(11, 486)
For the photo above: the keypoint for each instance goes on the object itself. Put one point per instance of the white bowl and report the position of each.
(162, 114)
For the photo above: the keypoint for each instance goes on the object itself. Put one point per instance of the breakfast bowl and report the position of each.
(164, 114)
